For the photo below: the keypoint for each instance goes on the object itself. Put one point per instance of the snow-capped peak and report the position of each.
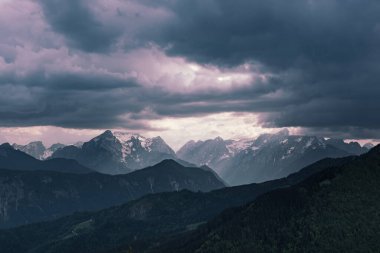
(124, 137)
(236, 146)
(219, 139)
(38, 150)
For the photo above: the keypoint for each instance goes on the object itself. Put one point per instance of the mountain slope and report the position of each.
(13, 159)
(38, 150)
(118, 152)
(27, 197)
(209, 152)
(336, 210)
(143, 222)
(279, 156)
(267, 157)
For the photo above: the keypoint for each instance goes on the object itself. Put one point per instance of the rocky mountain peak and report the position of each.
(283, 132)
(106, 135)
(116, 152)
(168, 162)
(5, 146)
(219, 139)
(368, 145)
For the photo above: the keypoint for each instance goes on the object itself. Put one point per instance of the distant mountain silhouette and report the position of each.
(30, 196)
(38, 150)
(13, 159)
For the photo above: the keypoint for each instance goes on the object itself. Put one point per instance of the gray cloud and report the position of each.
(79, 25)
(325, 55)
(322, 56)
(68, 100)
(276, 33)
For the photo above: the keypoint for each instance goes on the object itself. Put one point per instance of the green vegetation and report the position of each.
(81, 228)
(334, 210)
(337, 210)
(33, 196)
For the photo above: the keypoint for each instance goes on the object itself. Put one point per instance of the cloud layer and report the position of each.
(126, 64)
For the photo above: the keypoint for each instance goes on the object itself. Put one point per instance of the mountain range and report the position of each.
(154, 220)
(13, 159)
(335, 210)
(267, 157)
(118, 152)
(38, 150)
(31, 196)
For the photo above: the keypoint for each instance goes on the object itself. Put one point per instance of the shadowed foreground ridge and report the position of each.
(13, 159)
(336, 210)
(145, 222)
(32, 196)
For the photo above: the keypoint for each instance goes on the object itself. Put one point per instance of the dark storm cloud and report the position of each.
(325, 54)
(345, 132)
(322, 59)
(98, 101)
(276, 33)
(67, 81)
(79, 25)
(68, 100)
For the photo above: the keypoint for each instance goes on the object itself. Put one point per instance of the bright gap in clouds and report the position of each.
(47, 134)
(151, 67)
(175, 131)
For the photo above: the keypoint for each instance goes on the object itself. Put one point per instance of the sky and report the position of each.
(188, 69)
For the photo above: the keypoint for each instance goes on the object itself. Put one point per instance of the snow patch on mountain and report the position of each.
(267, 157)
(115, 152)
(37, 149)
(236, 146)
(47, 154)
